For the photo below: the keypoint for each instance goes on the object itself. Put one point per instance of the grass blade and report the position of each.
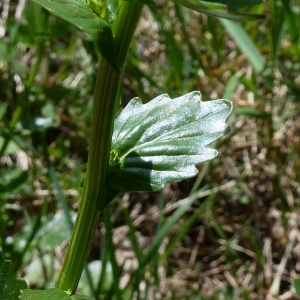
(245, 44)
(166, 228)
(188, 224)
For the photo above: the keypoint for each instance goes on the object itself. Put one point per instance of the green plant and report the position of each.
(151, 143)
(297, 286)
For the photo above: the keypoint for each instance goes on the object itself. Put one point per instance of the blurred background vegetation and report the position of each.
(230, 233)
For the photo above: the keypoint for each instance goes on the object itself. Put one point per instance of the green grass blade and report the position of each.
(245, 44)
(291, 20)
(166, 228)
(231, 86)
(60, 195)
(35, 228)
(132, 231)
(102, 277)
(111, 251)
(188, 224)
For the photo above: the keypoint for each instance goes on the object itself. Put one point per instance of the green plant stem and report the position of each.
(93, 199)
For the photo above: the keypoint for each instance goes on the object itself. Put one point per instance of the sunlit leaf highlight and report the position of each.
(164, 139)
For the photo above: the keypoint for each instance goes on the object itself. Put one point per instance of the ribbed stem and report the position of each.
(93, 197)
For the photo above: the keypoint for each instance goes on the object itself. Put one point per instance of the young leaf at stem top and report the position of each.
(163, 140)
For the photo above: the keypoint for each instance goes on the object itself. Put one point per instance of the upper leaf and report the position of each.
(87, 16)
(163, 140)
(78, 13)
(10, 286)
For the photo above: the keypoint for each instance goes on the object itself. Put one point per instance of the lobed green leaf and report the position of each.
(164, 139)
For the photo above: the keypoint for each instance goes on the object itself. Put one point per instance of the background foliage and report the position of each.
(230, 233)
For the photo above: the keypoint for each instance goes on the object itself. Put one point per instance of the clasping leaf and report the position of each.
(87, 15)
(163, 140)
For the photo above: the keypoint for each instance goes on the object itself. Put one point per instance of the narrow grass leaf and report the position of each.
(252, 112)
(231, 86)
(245, 44)
(132, 231)
(291, 20)
(187, 225)
(166, 228)
(276, 29)
(111, 251)
(161, 235)
(61, 197)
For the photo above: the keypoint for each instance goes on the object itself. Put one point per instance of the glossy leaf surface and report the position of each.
(10, 286)
(164, 139)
